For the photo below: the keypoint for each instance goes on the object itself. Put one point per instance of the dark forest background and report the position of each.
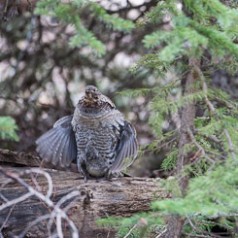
(169, 66)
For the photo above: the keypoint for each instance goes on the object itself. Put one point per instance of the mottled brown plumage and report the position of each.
(97, 136)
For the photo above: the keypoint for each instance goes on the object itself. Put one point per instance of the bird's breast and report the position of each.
(97, 137)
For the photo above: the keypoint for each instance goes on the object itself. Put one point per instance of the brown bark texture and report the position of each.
(175, 223)
(94, 199)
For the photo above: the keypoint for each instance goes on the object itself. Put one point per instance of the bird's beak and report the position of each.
(89, 95)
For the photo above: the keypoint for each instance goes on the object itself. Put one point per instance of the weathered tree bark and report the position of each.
(97, 199)
(29, 160)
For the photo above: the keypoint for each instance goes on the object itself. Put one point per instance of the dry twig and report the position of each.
(57, 214)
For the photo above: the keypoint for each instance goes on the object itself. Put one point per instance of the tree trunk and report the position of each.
(175, 223)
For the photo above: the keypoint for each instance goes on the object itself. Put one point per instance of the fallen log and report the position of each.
(29, 160)
(42, 202)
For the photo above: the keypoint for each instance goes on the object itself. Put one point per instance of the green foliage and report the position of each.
(191, 36)
(150, 61)
(198, 29)
(203, 11)
(139, 225)
(170, 161)
(179, 42)
(8, 128)
(70, 14)
(113, 21)
(212, 195)
(85, 37)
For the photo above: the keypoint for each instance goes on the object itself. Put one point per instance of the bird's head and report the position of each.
(92, 94)
(94, 101)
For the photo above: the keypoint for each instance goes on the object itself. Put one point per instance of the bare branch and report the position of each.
(15, 201)
(201, 151)
(204, 87)
(47, 176)
(231, 147)
(34, 223)
(57, 212)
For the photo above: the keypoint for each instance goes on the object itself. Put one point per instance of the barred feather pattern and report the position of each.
(97, 136)
(97, 139)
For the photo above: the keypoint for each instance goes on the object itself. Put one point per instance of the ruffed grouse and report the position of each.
(97, 136)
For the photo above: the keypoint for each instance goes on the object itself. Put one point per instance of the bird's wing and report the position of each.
(58, 145)
(126, 150)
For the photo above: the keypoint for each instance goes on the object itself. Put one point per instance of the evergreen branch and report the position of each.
(212, 112)
(187, 121)
(201, 152)
(130, 231)
(8, 128)
(117, 23)
(205, 90)
(219, 42)
(205, 10)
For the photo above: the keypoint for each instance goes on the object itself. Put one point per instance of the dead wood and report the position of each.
(27, 159)
(94, 199)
